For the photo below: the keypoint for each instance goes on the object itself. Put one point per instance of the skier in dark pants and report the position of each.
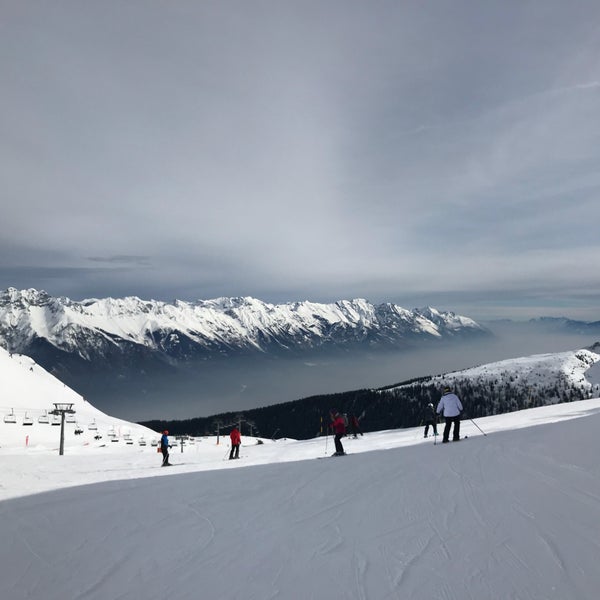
(339, 428)
(236, 440)
(355, 425)
(164, 448)
(451, 407)
(430, 419)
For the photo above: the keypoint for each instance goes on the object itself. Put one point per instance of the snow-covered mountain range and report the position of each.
(180, 331)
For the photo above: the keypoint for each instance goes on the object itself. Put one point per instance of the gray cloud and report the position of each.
(394, 151)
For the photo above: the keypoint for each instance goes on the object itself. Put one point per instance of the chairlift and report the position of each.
(154, 443)
(11, 417)
(55, 420)
(92, 426)
(43, 419)
(70, 418)
(142, 441)
(27, 420)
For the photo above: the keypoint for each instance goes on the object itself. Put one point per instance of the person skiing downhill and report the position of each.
(236, 440)
(430, 419)
(339, 428)
(451, 407)
(164, 448)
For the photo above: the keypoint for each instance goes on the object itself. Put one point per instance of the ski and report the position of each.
(466, 437)
(333, 455)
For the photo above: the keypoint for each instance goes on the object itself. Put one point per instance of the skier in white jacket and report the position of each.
(451, 407)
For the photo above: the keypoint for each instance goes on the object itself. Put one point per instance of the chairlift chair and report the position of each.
(27, 420)
(10, 417)
(70, 418)
(92, 426)
(43, 419)
(55, 420)
(142, 441)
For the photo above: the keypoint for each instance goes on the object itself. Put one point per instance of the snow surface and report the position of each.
(514, 514)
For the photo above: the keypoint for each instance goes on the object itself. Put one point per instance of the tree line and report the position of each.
(392, 407)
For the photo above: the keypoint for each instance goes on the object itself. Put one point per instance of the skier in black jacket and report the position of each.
(430, 419)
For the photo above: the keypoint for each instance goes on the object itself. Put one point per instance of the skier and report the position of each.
(355, 425)
(164, 448)
(451, 407)
(430, 419)
(339, 428)
(236, 440)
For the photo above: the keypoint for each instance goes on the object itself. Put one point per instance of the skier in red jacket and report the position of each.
(339, 428)
(236, 440)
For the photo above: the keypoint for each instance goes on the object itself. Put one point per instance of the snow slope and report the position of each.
(514, 514)
(28, 391)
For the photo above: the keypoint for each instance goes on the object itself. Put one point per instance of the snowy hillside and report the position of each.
(182, 330)
(580, 367)
(518, 383)
(28, 394)
(513, 514)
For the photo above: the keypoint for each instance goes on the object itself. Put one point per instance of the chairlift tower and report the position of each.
(62, 409)
(181, 439)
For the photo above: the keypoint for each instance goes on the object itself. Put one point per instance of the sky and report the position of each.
(424, 153)
(513, 511)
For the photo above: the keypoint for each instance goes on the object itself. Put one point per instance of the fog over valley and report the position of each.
(241, 384)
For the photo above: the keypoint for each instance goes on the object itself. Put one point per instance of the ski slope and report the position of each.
(514, 514)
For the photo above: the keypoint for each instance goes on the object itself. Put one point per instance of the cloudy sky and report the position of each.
(442, 152)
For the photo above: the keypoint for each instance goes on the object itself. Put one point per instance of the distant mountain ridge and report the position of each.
(182, 331)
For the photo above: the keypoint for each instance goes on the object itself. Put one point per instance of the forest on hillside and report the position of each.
(393, 407)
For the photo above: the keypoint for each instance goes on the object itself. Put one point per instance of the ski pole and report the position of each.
(482, 431)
